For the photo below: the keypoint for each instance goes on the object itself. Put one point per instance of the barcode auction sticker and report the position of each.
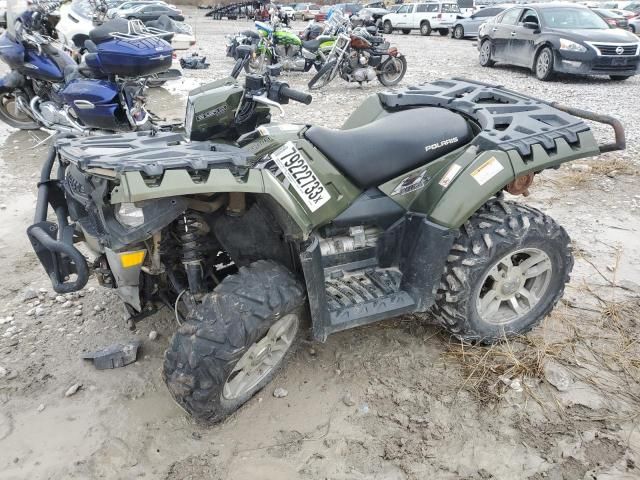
(296, 169)
(487, 171)
(448, 177)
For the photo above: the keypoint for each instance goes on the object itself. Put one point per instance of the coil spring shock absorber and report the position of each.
(190, 230)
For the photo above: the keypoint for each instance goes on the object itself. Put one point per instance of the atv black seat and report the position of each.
(103, 32)
(395, 144)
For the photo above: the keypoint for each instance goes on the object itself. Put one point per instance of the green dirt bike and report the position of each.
(246, 229)
(283, 47)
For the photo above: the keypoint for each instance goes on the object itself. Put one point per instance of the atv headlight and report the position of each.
(129, 215)
(571, 46)
(188, 120)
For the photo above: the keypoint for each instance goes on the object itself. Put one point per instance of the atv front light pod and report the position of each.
(129, 215)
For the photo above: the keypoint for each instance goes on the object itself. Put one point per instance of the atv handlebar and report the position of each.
(296, 95)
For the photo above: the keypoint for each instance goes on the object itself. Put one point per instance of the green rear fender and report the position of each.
(457, 184)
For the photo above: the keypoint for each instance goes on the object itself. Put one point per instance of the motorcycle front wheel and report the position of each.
(324, 76)
(11, 114)
(392, 71)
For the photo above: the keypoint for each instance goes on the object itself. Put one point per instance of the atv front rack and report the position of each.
(509, 120)
(149, 153)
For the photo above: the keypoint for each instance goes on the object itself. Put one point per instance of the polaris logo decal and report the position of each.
(216, 112)
(443, 143)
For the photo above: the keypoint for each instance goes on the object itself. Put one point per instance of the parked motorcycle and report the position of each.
(281, 46)
(400, 211)
(46, 88)
(361, 57)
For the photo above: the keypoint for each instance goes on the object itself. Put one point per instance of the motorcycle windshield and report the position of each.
(14, 9)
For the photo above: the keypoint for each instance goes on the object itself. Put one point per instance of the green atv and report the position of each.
(245, 229)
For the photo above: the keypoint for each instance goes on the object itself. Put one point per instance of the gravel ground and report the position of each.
(396, 400)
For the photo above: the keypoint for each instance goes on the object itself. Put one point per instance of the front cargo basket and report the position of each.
(150, 153)
(509, 120)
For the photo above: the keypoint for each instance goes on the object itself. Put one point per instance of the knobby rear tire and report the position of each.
(496, 229)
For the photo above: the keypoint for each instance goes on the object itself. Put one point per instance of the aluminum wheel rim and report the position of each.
(485, 51)
(10, 107)
(458, 32)
(543, 63)
(514, 285)
(397, 67)
(261, 358)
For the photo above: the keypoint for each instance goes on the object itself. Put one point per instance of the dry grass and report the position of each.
(598, 341)
(486, 368)
(576, 178)
(609, 166)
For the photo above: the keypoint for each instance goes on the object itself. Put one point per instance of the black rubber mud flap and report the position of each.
(311, 260)
(425, 247)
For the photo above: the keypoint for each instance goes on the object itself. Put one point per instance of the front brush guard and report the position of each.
(53, 243)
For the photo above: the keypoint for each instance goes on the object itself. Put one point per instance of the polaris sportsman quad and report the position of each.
(248, 228)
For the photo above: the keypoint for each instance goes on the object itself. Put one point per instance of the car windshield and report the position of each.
(607, 13)
(567, 18)
(82, 8)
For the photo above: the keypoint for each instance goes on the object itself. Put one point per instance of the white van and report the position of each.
(426, 17)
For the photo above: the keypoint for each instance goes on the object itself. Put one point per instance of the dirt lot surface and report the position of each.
(396, 400)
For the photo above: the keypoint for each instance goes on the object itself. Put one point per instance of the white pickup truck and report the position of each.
(426, 17)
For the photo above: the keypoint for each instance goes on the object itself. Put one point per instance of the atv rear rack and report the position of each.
(509, 120)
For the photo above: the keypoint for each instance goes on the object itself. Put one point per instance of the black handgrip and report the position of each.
(298, 96)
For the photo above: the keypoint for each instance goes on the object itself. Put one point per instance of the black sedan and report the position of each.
(550, 38)
(612, 18)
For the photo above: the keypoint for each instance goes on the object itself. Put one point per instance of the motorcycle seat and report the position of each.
(392, 145)
(313, 45)
(103, 32)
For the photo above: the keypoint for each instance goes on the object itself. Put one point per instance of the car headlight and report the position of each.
(129, 215)
(571, 46)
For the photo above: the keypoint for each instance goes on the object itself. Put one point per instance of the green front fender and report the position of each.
(133, 188)
(462, 185)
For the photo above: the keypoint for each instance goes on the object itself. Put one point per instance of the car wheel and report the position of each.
(406, 31)
(485, 54)
(544, 64)
(619, 78)
(458, 32)
(425, 29)
(387, 27)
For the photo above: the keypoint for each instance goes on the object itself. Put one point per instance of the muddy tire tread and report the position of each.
(238, 312)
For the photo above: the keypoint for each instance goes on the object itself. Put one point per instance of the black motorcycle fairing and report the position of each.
(392, 145)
